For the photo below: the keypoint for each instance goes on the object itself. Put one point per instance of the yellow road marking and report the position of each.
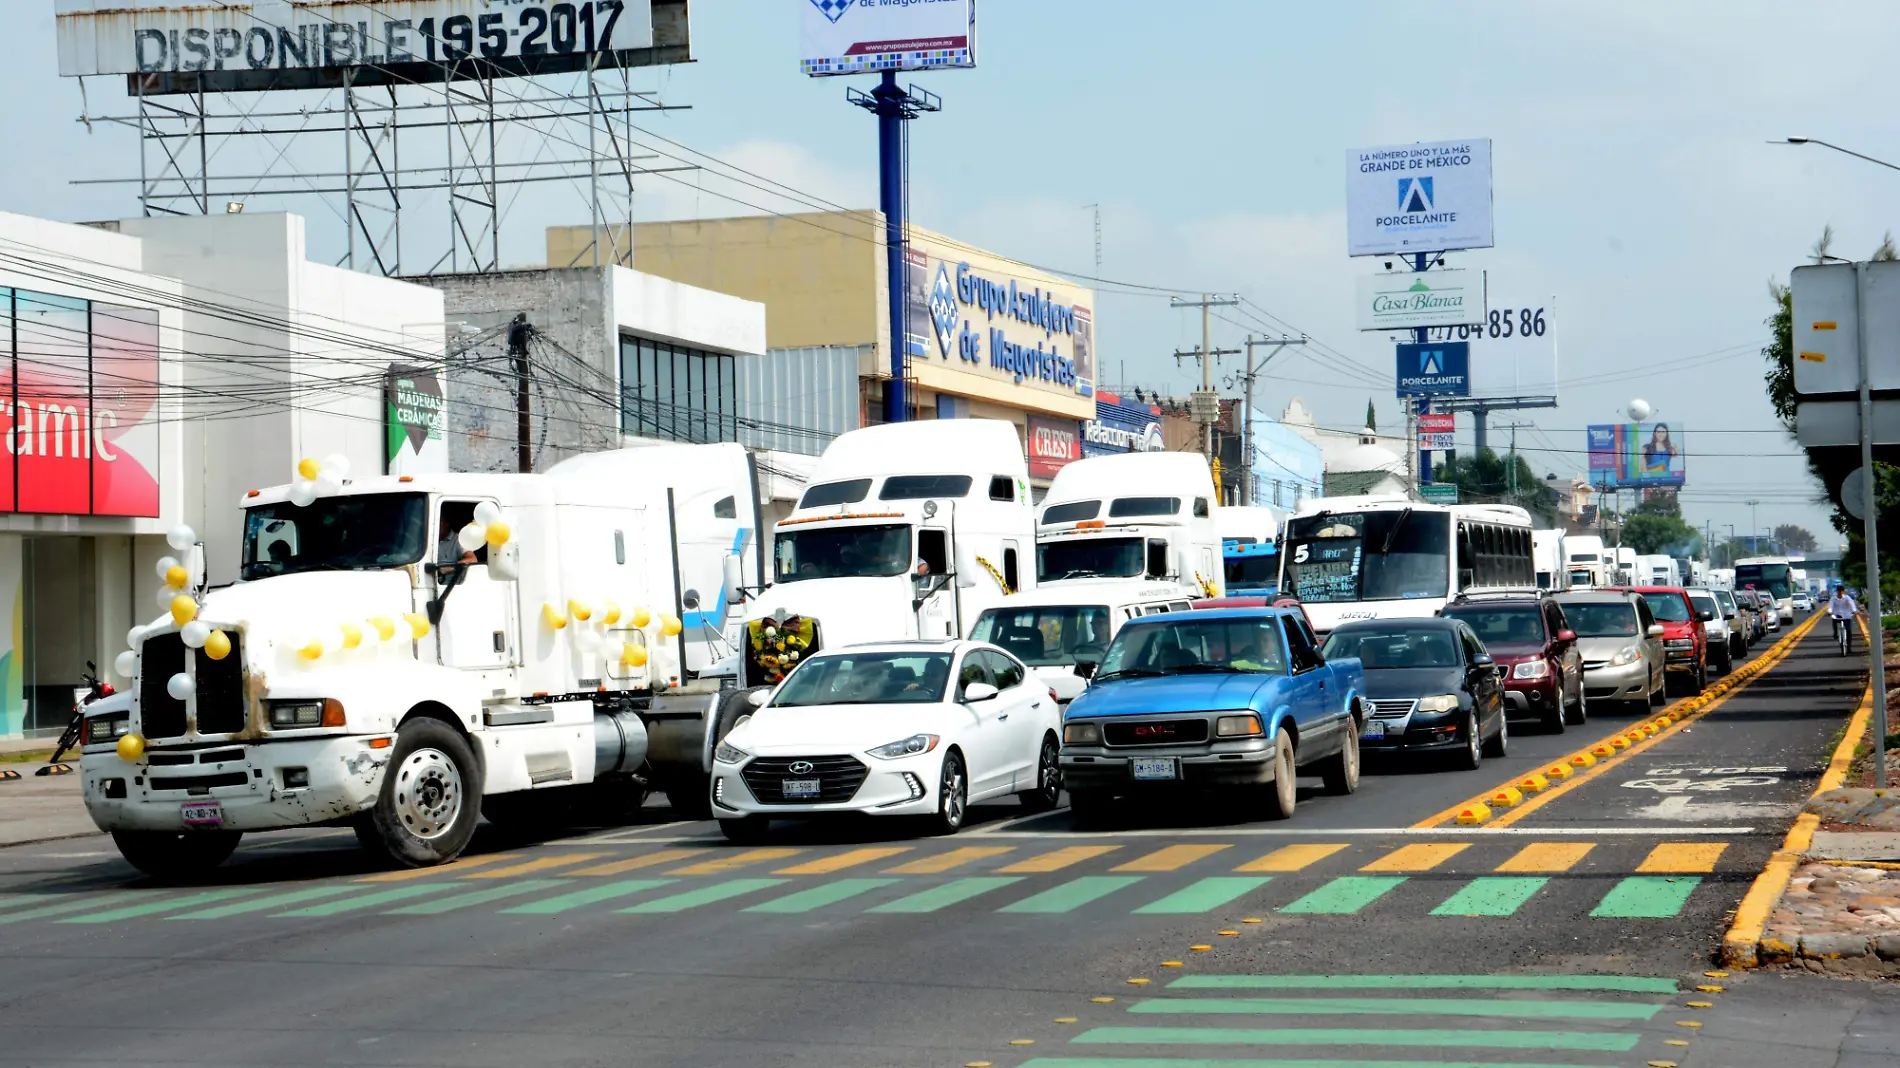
(417, 873)
(1057, 859)
(1420, 856)
(735, 860)
(647, 860)
(827, 865)
(1293, 857)
(1173, 858)
(943, 862)
(1547, 856)
(540, 864)
(1682, 857)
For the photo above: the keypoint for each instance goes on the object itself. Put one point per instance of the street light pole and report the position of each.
(1837, 148)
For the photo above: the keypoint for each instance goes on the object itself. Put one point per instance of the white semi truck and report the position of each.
(376, 666)
(1585, 562)
(1144, 515)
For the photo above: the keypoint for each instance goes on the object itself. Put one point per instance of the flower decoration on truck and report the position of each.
(777, 643)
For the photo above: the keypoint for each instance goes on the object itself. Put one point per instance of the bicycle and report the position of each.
(1844, 635)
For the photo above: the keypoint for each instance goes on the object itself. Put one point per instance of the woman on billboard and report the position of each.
(1659, 453)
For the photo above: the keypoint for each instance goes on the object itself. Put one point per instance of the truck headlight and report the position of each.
(1237, 726)
(105, 728)
(1626, 656)
(1444, 702)
(1082, 734)
(1530, 669)
(310, 712)
(1679, 643)
(904, 747)
(727, 753)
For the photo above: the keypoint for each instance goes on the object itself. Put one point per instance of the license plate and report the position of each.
(202, 813)
(798, 787)
(1374, 729)
(1155, 769)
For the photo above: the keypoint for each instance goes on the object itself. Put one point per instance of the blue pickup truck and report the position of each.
(1226, 697)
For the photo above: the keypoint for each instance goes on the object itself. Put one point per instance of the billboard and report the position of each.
(172, 45)
(1052, 444)
(1435, 369)
(1403, 300)
(860, 36)
(1635, 454)
(983, 314)
(1437, 431)
(415, 416)
(1429, 197)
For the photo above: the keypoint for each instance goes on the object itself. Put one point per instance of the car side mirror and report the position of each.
(1655, 630)
(1087, 668)
(1484, 660)
(978, 691)
(758, 698)
(1566, 635)
(1706, 616)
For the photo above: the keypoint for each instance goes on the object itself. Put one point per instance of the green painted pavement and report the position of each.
(1635, 984)
(367, 900)
(1356, 1036)
(475, 897)
(692, 899)
(1345, 895)
(1073, 894)
(149, 907)
(1266, 1062)
(948, 894)
(550, 906)
(820, 896)
(1490, 896)
(1647, 897)
(73, 903)
(1311, 1006)
(259, 904)
(1206, 895)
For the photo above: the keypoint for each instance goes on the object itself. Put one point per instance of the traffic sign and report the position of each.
(1439, 493)
(1435, 369)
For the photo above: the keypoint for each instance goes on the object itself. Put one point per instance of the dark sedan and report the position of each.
(1432, 687)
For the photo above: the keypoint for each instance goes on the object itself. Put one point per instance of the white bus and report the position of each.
(1772, 575)
(1349, 558)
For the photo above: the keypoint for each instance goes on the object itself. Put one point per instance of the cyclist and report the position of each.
(1842, 610)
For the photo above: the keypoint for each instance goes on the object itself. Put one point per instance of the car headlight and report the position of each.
(1444, 702)
(106, 728)
(1242, 726)
(1530, 669)
(1082, 734)
(1679, 643)
(1625, 656)
(727, 753)
(310, 712)
(911, 746)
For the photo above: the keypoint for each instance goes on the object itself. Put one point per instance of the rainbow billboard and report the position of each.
(1636, 454)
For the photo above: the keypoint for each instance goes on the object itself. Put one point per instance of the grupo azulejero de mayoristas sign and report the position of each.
(1402, 300)
(972, 309)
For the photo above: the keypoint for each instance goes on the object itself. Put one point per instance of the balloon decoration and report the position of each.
(181, 538)
(487, 512)
(579, 610)
(308, 468)
(130, 747)
(127, 664)
(181, 687)
(670, 624)
(352, 635)
(418, 625)
(183, 609)
(318, 478)
(217, 645)
(553, 617)
(195, 633)
(633, 654)
(641, 617)
(384, 626)
(471, 537)
(609, 613)
(497, 534)
(134, 636)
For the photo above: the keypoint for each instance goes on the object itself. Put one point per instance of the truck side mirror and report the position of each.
(195, 564)
(504, 561)
(967, 568)
(1086, 669)
(734, 579)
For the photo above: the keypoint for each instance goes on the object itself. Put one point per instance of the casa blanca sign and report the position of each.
(1403, 300)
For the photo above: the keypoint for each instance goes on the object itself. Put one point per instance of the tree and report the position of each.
(1372, 417)
(1659, 502)
(1660, 534)
(1794, 539)
(1486, 477)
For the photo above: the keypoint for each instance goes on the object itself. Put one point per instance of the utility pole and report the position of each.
(1754, 527)
(1246, 430)
(519, 331)
(1206, 403)
(893, 106)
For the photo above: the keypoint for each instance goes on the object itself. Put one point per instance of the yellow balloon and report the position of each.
(309, 468)
(418, 623)
(218, 645)
(552, 617)
(177, 577)
(579, 610)
(610, 613)
(311, 649)
(633, 655)
(385, 627)
(352, 635)
(184, 610)
(641, 617)
(669, 624)
(497, 534)
(131, 746)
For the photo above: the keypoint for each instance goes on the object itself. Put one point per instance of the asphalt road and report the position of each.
(1571, 930)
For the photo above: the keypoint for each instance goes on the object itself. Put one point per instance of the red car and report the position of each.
(1685, 643)
(1527, 633)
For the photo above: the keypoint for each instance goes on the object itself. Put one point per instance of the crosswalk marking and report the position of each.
(1345, 895)
(943, 862)
(705, 895)
(1646, 897)
(1682, 858)
(1419, 856)
(63, 903)
(475, 897)
(1072, 894)
(1293, 857)
(1602, 1042)
(1365, 1006)
(1491, 896)
(1172, 858)
(260, 904)
(939, 897)
(457, 864)
(363, 900)
(647, 860)
(1057, 859)
(1205, 895)
(734, 860)
(1547, 857)
(553, 906)
(827, 865)
(1633, 984)
(820, 896)
(539, 864)
(149, 906)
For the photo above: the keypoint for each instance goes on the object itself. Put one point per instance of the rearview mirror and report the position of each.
(1566, 635)
(978, 691)
(1655, 630)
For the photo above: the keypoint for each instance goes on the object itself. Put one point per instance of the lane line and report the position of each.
(1604, 1042)
(1491, 896)
(1683, 857)
(1631, 984)
(1265, 1062)
(475, 897)
(946, 895)
(259, 904)
(1172, 858)
(1646, 897)
(361, 901)
(1073, 894)
(827, 865)
(1620, 830)
(943, 862)
(1205, 895)
(705, 895)
(554, 906)
(1345, 895)
(819, 896)
(1507, 1007)
(1420, 856)
(1547, 857)
(540, 864)
(457, 864)
(648, 860)
(727, 863)
(128, 912)
(1294, 857)
(1057, 859)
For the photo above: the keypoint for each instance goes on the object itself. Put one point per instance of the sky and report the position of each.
(1635, 189)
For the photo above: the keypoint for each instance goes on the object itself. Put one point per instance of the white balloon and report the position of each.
(487, 512)
(303, 492)
(371, 636)
(328, 484)
(180, 687)
(165, 564)
(165, 595)
(195, 633)
(181, 537)
(133, 636)
(337, 464)
(471, 537)
(1640, 409)
(126, 664)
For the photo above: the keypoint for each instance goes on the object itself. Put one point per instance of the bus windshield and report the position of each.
(1770, 577)
(1368, 556)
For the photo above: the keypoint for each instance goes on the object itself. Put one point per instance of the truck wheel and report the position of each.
(175, 857)
(745, 830)
(1341, 770)
(1283, 793)
(430, 800)
(1048, 788)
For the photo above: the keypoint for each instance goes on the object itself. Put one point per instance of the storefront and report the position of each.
(1122, 427)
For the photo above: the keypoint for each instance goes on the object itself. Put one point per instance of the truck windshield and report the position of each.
(1049, 636)
(866, 679)
(361, 532)
(1258, 571)
(1089, 558)
(842, 552)
(1368, 556)
(1771, 577)
(1187, 646)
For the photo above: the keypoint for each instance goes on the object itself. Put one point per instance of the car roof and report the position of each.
(1238, 612)
(915, 645)
(1413, 622)
(1600, 595)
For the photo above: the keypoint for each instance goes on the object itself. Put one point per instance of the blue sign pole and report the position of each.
(1419, 335)
(890, 102)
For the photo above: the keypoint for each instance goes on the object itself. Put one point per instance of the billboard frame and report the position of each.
(1619, 457)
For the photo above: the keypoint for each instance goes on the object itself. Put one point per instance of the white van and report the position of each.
(1054, 626)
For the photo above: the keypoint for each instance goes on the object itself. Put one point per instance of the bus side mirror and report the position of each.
(504, 561)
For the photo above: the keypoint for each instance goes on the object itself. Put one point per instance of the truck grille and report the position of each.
(1159, 732)
(838, 778)
(161, 657)
(220, 691)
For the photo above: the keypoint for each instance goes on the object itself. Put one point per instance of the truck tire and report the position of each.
(170, 856)
(691, 791)
(1281, 795)
(1341, 770)
(430, 800)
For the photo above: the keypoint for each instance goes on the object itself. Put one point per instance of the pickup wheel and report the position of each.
(430, 800)
(175, 857)
(1048, 788)
(1341, 770)
(1284, 792)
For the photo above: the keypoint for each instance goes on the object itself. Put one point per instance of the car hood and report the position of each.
(1170, 693)
(828, 729)
(1679, 630)
(1511, 652)
(1392, 684)
(1605, 648)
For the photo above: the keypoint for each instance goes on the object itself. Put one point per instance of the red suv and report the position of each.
(1685, 643)
(1531, 641)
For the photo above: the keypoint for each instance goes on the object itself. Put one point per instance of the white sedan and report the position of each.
(890, 729)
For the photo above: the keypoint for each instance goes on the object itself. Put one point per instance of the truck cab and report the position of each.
(1249, 541)
(1135, 516)
(1058, 628)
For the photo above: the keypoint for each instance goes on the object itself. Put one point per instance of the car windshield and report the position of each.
(1607, 619)
(355, 532)
(1047, 636)
(1669, 607)
(866, 679)
(1502, 624)
(1195, 645)
(1089, 558)
(842, 552)
(1726, 600)
(1398, 647)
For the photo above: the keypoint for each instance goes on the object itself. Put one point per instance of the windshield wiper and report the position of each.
(1187, 669)
(1081, 572)
(1133, 673)
(1394, 532)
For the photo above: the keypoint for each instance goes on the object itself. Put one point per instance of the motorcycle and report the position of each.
(84, 695)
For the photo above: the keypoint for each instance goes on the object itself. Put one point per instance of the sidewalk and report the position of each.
(34, 809)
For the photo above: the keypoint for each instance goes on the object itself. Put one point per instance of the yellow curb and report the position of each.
(1022, 1041)
(1250, 920)
(1710, 988)
(1228, 934)
(1532, 783)
(1138, 982)
(1065, 1019)
(1688, 1023)
(1201, 949)
(1702, 1004)
(1716, 975)
(1476, 812)
(1507, 797)
(1605, 749)
(978, 1064)
(1638, 735)
(1662, 1064)
(1674, 1042)
(1647, 730)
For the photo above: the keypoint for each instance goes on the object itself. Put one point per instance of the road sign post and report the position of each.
(1876, 646)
